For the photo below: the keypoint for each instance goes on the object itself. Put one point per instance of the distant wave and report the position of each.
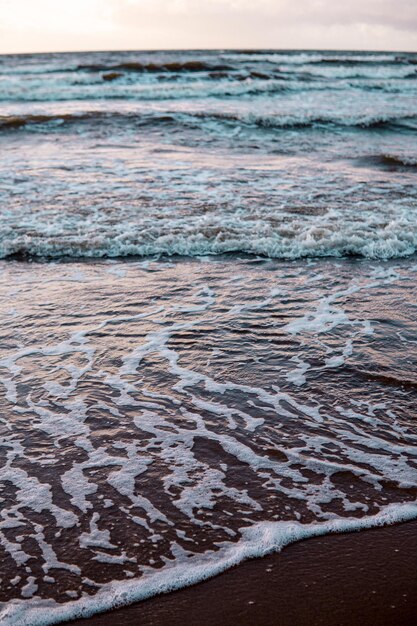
(19, 121)
(134, 66)
(264, 64)
(358, 70)
(127, 66)
(134, 81)
(388, 161)
(408, 121)
(112, 86)
(8, 122)
(228, 59)
(306, 121)
(318, 56)
(363, 60)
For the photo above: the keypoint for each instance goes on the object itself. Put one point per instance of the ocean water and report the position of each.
(208, 314)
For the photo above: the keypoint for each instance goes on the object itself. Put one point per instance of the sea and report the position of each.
(208, 303)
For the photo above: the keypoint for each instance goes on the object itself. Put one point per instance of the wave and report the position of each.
(8, 122)
(301, 66)
(364, 60)
(113, 86)
(12, 122)
(336, 233)
(126, 66)
(172, 67)
(388, 161)
(317, 57)
(116, 86)
(363, 75)
(70, 61)
(137, 81)
(291, 122)
(310, 121)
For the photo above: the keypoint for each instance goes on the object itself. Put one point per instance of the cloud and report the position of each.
(361, 24)
(401, 14)
(34, 25)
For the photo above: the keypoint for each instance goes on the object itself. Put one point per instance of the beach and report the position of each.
(208, 331)
(338, 580)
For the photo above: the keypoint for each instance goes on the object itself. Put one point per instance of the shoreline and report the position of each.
(348, 579)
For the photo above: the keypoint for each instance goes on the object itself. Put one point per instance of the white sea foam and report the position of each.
(387, 234)
(257, 541)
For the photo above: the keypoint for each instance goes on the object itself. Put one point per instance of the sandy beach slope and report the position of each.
(358, 579)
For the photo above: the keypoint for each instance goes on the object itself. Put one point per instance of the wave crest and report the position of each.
(273, 121)
(333, 234)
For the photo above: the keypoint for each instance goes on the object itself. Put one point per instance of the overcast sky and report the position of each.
(59, 25)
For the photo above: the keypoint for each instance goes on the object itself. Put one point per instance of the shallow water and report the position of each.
(158, 415)
(207, 301)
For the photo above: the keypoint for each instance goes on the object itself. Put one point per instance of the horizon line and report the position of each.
(243, 49)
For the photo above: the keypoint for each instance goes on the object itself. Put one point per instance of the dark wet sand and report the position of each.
(355, 579)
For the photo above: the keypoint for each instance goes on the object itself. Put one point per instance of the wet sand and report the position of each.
(356, 579)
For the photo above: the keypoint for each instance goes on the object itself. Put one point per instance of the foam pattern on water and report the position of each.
(145, 192)
(162, 421)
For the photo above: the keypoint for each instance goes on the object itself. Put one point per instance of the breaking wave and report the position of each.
(334, 234)
(299, 120)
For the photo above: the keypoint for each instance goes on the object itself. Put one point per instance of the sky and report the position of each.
(66, 25)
